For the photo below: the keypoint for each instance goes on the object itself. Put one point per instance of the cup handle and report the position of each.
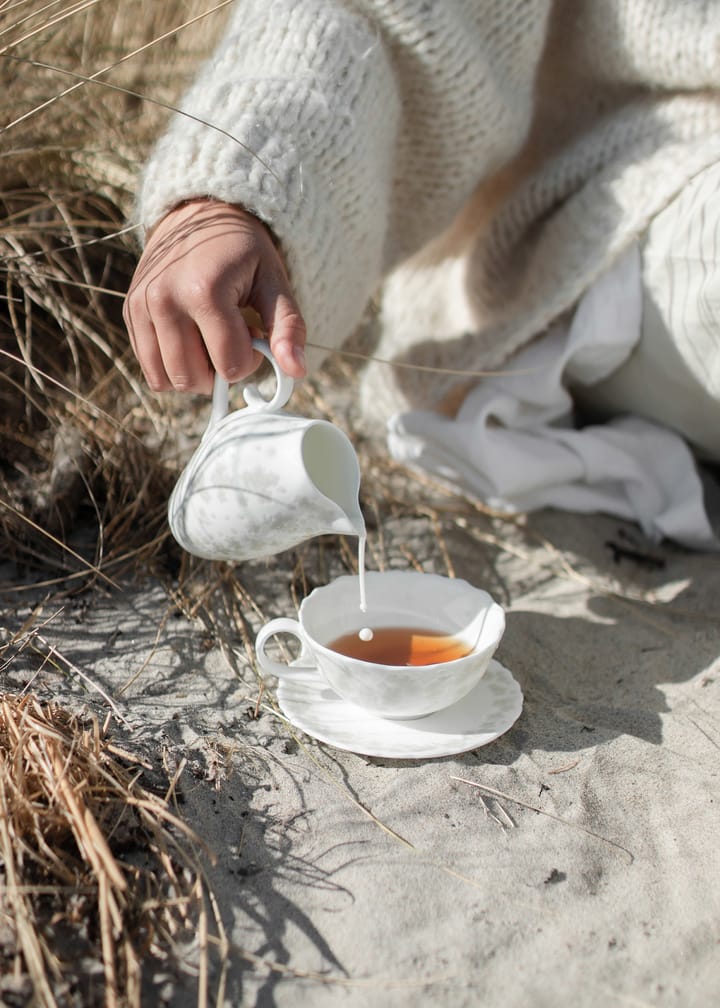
(268, 665)
(251, 394)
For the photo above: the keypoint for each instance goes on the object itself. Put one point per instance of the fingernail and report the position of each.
(299, 355)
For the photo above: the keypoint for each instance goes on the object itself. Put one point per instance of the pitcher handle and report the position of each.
(282, 670)
(251, 393)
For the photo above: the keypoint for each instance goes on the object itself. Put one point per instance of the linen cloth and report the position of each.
(673, 373)
(514, 444)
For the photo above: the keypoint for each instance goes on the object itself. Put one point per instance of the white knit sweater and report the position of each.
(485, 159)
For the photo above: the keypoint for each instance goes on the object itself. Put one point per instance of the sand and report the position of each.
(573, 861)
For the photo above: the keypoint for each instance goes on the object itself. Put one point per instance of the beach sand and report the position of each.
(572, 861)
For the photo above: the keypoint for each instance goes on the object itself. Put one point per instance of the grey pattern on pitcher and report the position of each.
(262, 481)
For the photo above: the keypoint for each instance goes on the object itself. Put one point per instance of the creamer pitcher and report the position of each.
(262, 480)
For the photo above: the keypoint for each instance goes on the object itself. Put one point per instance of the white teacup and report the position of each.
(262, 480)
(394, 599)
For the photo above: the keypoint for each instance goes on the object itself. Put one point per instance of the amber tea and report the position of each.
(401, 646)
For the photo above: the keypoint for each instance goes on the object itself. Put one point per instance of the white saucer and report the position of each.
(486, 712)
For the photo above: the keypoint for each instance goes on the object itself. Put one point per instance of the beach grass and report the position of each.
(85, 87)
(101, 884)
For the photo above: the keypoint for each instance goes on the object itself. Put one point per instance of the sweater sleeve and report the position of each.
(355, 128)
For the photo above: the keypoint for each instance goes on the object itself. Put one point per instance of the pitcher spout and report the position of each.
(332, 465)
(349, 523)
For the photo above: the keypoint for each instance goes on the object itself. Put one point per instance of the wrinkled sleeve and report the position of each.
(294, 117)
(354, 128)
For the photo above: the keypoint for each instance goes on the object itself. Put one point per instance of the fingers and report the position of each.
(284, 324)
(201, 268)
(205, 333)
(287, 343)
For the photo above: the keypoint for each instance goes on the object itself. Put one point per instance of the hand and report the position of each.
(203, 264)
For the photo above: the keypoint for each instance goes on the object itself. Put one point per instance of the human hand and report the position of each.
(202, 265)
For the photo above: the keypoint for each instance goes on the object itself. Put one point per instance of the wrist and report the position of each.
(208, 200)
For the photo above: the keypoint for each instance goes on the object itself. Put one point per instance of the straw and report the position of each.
(96, 868)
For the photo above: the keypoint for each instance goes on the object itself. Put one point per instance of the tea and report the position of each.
(401, 646)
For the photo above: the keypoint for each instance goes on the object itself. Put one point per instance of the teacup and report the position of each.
(262, 480)
(436, 604)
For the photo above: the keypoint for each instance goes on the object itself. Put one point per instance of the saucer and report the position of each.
(488, 711)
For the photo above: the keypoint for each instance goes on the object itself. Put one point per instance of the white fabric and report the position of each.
(513, 442)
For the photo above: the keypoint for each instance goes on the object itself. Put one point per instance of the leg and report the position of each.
(673, 374)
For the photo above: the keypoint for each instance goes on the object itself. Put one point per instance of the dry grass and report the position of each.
(101, 883)
(84, 87)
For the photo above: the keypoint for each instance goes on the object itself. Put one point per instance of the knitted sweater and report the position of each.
(484, 160)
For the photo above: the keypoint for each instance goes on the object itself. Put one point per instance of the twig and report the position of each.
(550, 815)
(53, 652)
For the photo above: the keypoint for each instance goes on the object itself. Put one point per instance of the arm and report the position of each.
(283, 120)
(355, 130)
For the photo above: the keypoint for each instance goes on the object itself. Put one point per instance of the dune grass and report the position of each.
(100, 881)
(102, 885)
(84, 88)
